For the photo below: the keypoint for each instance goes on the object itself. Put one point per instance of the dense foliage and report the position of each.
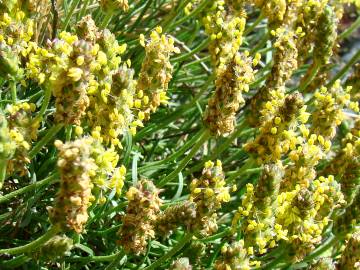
(179, 134)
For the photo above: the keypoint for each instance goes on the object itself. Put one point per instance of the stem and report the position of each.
(183, 57)
(45, 104)
(191, 14)
(71, 11)
(327, 244)
(106, 20)
(28, 188)
(171, 253)
(351, 29)
(3, 166)
(205, 136)
(16, 262)
(34, 244)
(107, 258)
(310, 77)
(13, 90)
(176, 154)
(49, 135)
(239, 130)
(242, 170)
(252, 27)
(83, 8)
(343, 71)
(224, 146)
(116, 261)
(217, 236)
(141, 15)
(272, 265)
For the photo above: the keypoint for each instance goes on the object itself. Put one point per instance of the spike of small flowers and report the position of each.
(155, 73)
(233, 257)
(23, 131)
(72, 201)
(225, 27)
(141, 213)
(329, 105)
(109, 6)
(285, 63)
(208, 193)
(345, 166)
(175, 216)
(16, 30)
(354, 82)
(227, 99)
(280, 117)
(323, 264)
(350, 258)
(257, 210)
(55, 248)
(181, 264)
(325, 37)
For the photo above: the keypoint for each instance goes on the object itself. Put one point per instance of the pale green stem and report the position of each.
(71, 11)
(252, 27)
(106, 19)
(170, 253)
(309, 78)
(351, 29)
(183, 57)
(3, 166)
(107, 258)
(13, 90)
(343, 71)
(205, 136)
(114, 264)
(31, 187)
(44, 105)
(242, 170)
(193, 13)
(53, 230)
(49, 135)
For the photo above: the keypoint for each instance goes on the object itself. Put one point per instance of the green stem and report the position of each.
(183, 57)
(217, 236)
(114, 264)
(107, 258)
(34, 244)
(49, 135)
(16, 262)
(83, 8)
(309, 77)
(191, 14)
(351, 29)
(272, 265)
(239, 132)
(106, 19)
(205, 136)
(317, 252)
(168, 20)
(242, 170)
(71, 11)
(343, 71)
(29, 188)
(141, 15)
(3, 166)
(260, 44)
(171, 253)
(175, 155)
(13, 90)
(252, 27)
(44, 105)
